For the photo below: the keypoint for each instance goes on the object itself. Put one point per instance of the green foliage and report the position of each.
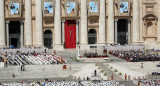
(115, 70)
(105, 74)
(102, 71)
(120, 73)
(107, 64)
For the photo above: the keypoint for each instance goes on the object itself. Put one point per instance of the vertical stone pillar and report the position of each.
(22, 33)
(39, 29)
(7, 33)
(129, 31)
(28, 23)
(2, 25)
(63, 32)
(102, 22)
(158, 23)
(84, 30)
(110, 31)
(57, 26)
(136, 26)
(116, 30)
(77, 31)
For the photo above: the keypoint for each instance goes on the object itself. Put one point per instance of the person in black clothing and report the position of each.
(87, 78)
(12, 6)
(46, 10)
(95, 73)
(21, 68)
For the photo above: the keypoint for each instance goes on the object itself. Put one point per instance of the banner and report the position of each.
(14, 8)
(124, 7)
(93, 7)
(71, 7)
(48, 8)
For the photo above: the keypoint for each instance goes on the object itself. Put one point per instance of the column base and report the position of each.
(39, 46)
(2, 46)
(84, 47)
(111, 43)
(135, 42)
(58, 47)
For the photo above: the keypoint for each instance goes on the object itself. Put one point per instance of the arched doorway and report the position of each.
(70, 34)
(92, 36)
(14, 34)
(48, 39)
(122, 31)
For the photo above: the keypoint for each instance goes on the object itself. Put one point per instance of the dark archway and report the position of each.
(48, 39)
(92, 36)
(14, 34)
(122, 36)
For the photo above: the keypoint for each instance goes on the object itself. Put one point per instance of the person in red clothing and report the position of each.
(112, 77)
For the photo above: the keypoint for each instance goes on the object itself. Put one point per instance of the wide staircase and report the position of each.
(38, 72)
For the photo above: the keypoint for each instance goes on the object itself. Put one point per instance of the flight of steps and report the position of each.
(38, 71)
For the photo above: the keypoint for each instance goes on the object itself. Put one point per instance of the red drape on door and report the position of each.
(70, 34)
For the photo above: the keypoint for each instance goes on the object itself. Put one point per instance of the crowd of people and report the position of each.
(149, 82)
(95, 55)
(63, 83)
(34, 58)
(137, 55)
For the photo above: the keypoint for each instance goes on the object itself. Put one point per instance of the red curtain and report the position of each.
(70, 34)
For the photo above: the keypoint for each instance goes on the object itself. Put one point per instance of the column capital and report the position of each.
(129, 20)
(7, 22)
(22, 22)
(63, 21)
(77, 21)
(116, 20)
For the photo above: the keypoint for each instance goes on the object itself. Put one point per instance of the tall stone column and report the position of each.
(84, 30)
(102, 22)
(136, 26)
(57, 23)
(77, 31)
(158, 23)
(39, 29)
(28, 23)
(2, 25)
(116, 30)
(129, 31)
(63, 32)
(22, 33)
(110, 31)
(7, 33)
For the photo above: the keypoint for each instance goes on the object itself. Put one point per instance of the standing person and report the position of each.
(13, 75)
(21, 68)
(95, 73)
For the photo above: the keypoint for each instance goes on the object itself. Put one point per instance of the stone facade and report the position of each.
(141, 20)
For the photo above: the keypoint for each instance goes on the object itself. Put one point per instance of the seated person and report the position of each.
(12, 6)
(46, 10)
(125, 10)
(50, 5)
(16, 11)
